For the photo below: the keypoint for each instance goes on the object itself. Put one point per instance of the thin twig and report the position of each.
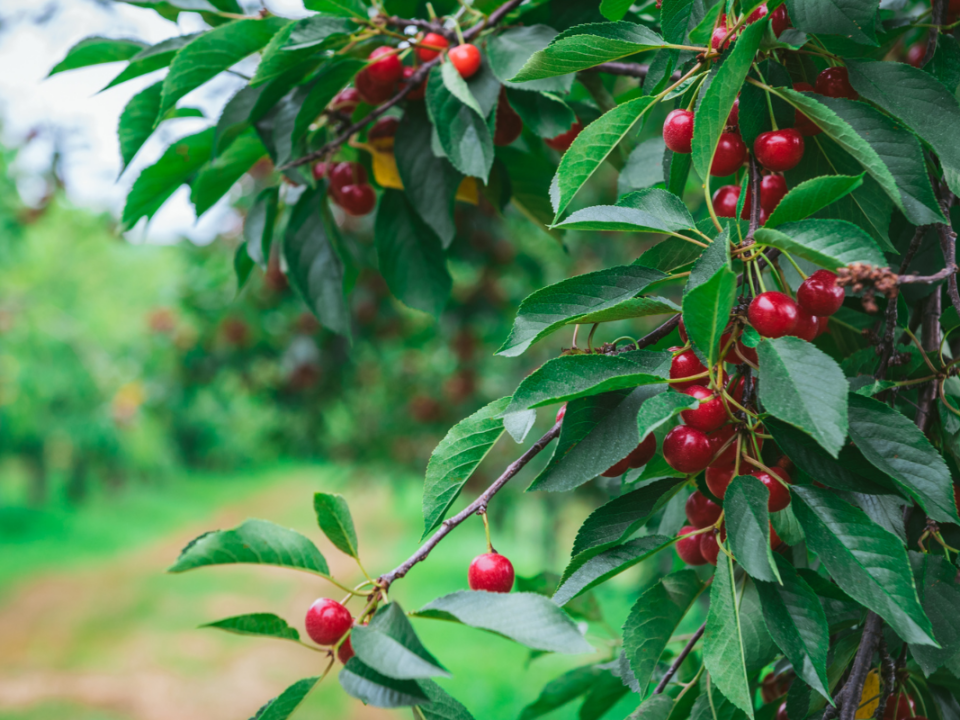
(951, 269)
(428, 25)
(672, 670)
(853, 688)
(930, 341)
(754, 190)
(887, 344)
(939, 17)
(888, 673)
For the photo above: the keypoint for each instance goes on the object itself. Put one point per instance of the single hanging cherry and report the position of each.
(491, 572)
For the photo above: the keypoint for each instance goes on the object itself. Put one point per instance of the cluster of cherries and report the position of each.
(779, 21)
(348, 186)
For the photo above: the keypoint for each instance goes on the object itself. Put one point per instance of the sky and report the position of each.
(68, 112)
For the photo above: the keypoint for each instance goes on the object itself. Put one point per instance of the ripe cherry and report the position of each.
(678, 131)
(345, 651)
(807, 327)
(782, 712)
(709, 547)
(719, 438)
(508, 124)
(682, 329)
(725, 201)
(385, 68)
(491, 572)
(780, 20)
(779, 150)
(779, 493)
(718, 35)
(758, 14)
(773, 314)
(801, 123)
(637, 458)
(772, 687)
(689, 548)
(434, 40)
(772, 190)
(819, 294)
(385, 127)
(357, 200)
(718, 478)
(710, 414)
(731, 152)
(419, 92)
(685, 364)
(916, 53)
(774, 538)
(466, 59)
(701, 510)
(737, 353)
(563, 141)
(899, 708)
(372, 92)
(687, 449)
(327, 621)
(733, 119)
(345, 173)
(346, 101)
(835, 82)
(319, 170)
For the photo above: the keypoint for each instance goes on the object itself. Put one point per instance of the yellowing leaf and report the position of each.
(386, 175)
(870, 699)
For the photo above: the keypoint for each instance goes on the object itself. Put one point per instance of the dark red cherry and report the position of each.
(682, 329)
(709, 547)
(725, 201)
(899, 708)
(738, 352)
(417, 93)
(617, 469)
(916, 53)
(718, 478)
(779, 150)
(437, 43)
(385, 127)
(563, 141)
(773, 188)
(689, 548)
(357, 200)
(819, 294)
(346, 101)
(508, 123)
(491, 572)
(319, 170)
(466, 59)
(345, 651)
(835, 82)
(779, 20)
(345, 173)
(807, 327)
(774, 538)
(678, 131)
(731, 152)
(733, 119)
(327, 621)
(710, 414)
(801, 123)
(701, 510)
(719, 438)
(758, 14)
(779, 494)
(385, 67)
(773, 314)
(644, 452)
(372, 92)
(687, 449)
(782, 712)
(683, 365)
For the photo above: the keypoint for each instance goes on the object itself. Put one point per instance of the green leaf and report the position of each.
(261, 624)
(602, 696)
(724, 656)
(936, 580)
(466, 138)
(282, 706)
(213, 52)
(890, 154)
(333, 517)
(897, 447)
(258, 225)
(812, 196)
(453, 461)
(137, 122)
(159, 181)
(390, 646)
(803, 386)
(759, 649)
(643, 166)
(529, 175)
(553, 306)
(597, 432)
(614, 9)
(527, 618)
(216, 178)
(885, 510)
(314, 269)
(650, 210)
(592, 146)
(656, 707)
(151, 58)
(787, 527)
(297, 42)
(255, 542)
(669, 254)
(661, 409)
(717, 101)
(441, 706)
(866, 561)
(324, 86)
(544, 114)
(584, 46)
(564, 689)
(339, 8)
(853, 19)
(457, 86)
(411, 256)
(372, 688)
(654, 618)
(707, 307)
(242, 265)
(629, 309)
(798, 624)
(509, 50)
(828, 243)
(579, 577)
(748, 527)
(96, 50)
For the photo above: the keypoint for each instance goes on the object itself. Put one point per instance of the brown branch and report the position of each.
(672, 670)
(848, 698)
(950, 269)
(478, 505)
(754, 190)
(930, 340)
(427, 25)
(887, 344)
(939, 17)
(888, 672)
(661, 332)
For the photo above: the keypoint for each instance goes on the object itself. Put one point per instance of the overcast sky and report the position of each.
(67, 110)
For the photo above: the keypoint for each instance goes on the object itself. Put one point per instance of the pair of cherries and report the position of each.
(779, 21)
(704, 548)
(348, 186)
(773, 188)
(465, 57)
(774, 314)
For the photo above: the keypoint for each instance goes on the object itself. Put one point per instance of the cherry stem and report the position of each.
(672, 670)
(486, 529)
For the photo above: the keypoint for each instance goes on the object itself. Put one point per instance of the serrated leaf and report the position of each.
(936, 580)
(137, 122)
(553, 306)
(654, 618)
(509, 50)
(812, 196)
(803, 386)
(216, 178)
(669, 254)
(453, 461)
(798, 625)
(151, 58)
(787, 527)
(643, 166)
(562, 690)
(282, 706)
(441, 706)
(748, 527)
(97, 50)
(655, 707)
(255, 542)
(853, 19)
(866, 561)
(602, 696)
(828, 243)
(242, 265)
(297, 42)
(650, 210)
(333, 517)
(465, 136)
(885, 510)
(661, 409)
(897, 447)
(706, 311)
(373, 688)
(526, 618)
(629, 309)
(724, 656)
(581, 576)
(544, 114)
(259, 223)
(324, 86)
(261, 624)
(389, 645)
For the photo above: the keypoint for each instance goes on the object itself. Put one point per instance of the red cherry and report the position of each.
(327, 621)
(764, 216)
(733, 119)
(916, 53)
(758, 14)
(385, 68)
(774, 538)
(718, 35)
(773, 314)
(509, 125)
(719, 438)
(678, 131)
(385, 127)
(773, 686)
(779, 494)
(725, 201)
(731, 152)
(466, 59)
(357, 200)
(687, 449)
(561, 412)
(819, 294)
(709, 547)
(737, 353)
(835, 82)
(491, 572)
(372, 92)
(772, 190)
(563, 141)
(779, 150)
(686, 364)
(782, 712)
(801, 123)
(617, 469)
(901, 709)
(701, 510)
(345, 651)
(736, 391)
(807, 327)
(345, 173)
(346, 101)
(434, 40)
(682, 329)
(417, 93)
(779, 20)
(644, 452)
(708, 415)
(689, 548)
(319, 170)
(718, 478)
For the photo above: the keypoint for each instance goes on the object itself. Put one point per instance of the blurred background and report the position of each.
(144, 400)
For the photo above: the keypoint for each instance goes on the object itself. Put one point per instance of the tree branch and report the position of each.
(672, 670)
(939, 17)
(887, 344)
(930, 341)
(848, 699)
(428, 25)
(754, 190)
(950, 269)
